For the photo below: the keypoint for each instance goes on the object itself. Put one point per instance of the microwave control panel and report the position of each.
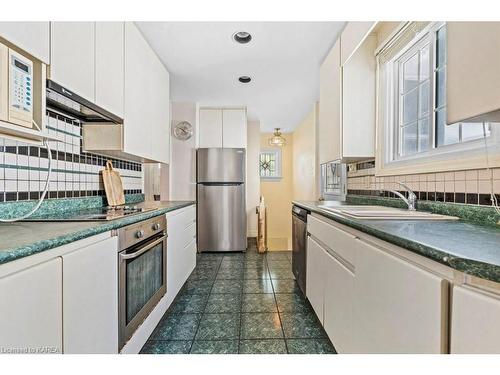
(4, 85)
(20, 89)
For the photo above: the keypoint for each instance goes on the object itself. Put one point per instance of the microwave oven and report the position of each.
(16, 87)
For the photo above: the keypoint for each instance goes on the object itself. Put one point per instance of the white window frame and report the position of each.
(277, 153)
(388, 103)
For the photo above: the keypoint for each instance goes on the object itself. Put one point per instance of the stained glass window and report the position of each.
(270, 164)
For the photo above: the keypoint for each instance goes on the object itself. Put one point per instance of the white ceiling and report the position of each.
(283, 60)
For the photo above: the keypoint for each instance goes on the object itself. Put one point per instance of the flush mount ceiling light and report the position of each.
(277, 139)
(245, 79)
(242, 37)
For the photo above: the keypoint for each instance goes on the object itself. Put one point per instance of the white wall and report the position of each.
(253, 178)
(183, 156)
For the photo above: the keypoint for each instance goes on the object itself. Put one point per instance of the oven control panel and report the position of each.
(134, 233)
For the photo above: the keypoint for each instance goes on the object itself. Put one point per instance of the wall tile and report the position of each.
(24, 167)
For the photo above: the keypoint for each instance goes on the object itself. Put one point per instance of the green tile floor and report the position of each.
(245, 303)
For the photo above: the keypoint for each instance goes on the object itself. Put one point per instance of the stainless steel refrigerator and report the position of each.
(222, 218)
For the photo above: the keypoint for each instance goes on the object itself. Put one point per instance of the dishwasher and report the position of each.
(299, 236)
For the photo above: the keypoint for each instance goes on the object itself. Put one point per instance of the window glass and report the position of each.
(421, 88)
(270, 164)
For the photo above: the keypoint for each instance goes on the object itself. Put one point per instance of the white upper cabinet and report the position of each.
(398, 307)
(138, 91)
(358, 102)
(147, 107)
(472, 74)
(109, 66)
(330, 106)
(347, 97)
(72, 56)
(352, 36)
(31, 308)
(32, 37)
(222, 128)
(210, 128)
(131, 82)
(234, 128)
(161, 114)
(475, 322)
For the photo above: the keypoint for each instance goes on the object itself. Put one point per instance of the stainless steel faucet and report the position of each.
(412, 198)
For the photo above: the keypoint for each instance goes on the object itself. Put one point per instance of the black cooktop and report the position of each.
(92, 214)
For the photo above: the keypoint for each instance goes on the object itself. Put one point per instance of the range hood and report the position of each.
(68, 102)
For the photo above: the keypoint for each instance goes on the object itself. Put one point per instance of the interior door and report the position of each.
(221, 217)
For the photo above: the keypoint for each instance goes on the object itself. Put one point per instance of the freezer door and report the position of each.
(222, 219)
(220, 165)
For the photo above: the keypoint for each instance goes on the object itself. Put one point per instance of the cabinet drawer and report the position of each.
(189, 235)
(336, 239)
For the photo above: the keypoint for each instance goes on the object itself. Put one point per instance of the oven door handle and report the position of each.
(142, 250)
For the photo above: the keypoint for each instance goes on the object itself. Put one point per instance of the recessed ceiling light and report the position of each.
(245, 79)
(242, 37)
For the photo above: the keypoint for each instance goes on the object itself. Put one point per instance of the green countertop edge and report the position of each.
(468, 266)
(44, 245)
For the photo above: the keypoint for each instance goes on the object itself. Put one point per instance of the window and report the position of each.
(419, 84)
(270, 164)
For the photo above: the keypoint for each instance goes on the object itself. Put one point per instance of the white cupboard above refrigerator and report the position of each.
(222, 127)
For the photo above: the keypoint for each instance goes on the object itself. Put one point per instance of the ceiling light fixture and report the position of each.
(242, 37)
(277, 139)
(245, 79)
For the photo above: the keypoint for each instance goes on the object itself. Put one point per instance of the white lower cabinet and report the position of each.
(329, 287)
(475, 321)
(90, 298)
(181, 249)
(31, 309)
(338, 304)
(315, 272)
(398, 307)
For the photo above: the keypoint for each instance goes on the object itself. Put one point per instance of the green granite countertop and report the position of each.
(21, 239)
(467, 247)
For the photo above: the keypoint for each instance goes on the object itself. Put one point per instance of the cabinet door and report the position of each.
(181, 254)
(338, 303)
(32, 37)
(315, 276)
(330, 106)
(398, 307)
(90, 298)
(210, 128)
(31, 308)
(72, 53)
(475, 322)
(472, 76)
(234, 128)
(161, 112)
(109, 66)
(358, 92)
(139, 89)
(352, 36)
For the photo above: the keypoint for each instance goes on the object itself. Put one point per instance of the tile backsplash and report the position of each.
(469, 187)
(24, 167)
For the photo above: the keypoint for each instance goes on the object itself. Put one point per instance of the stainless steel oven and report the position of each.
(142, 272)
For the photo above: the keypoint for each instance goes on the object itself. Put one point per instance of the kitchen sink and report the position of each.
(384, 213)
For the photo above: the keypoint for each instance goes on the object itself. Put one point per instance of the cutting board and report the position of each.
(113, 185)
